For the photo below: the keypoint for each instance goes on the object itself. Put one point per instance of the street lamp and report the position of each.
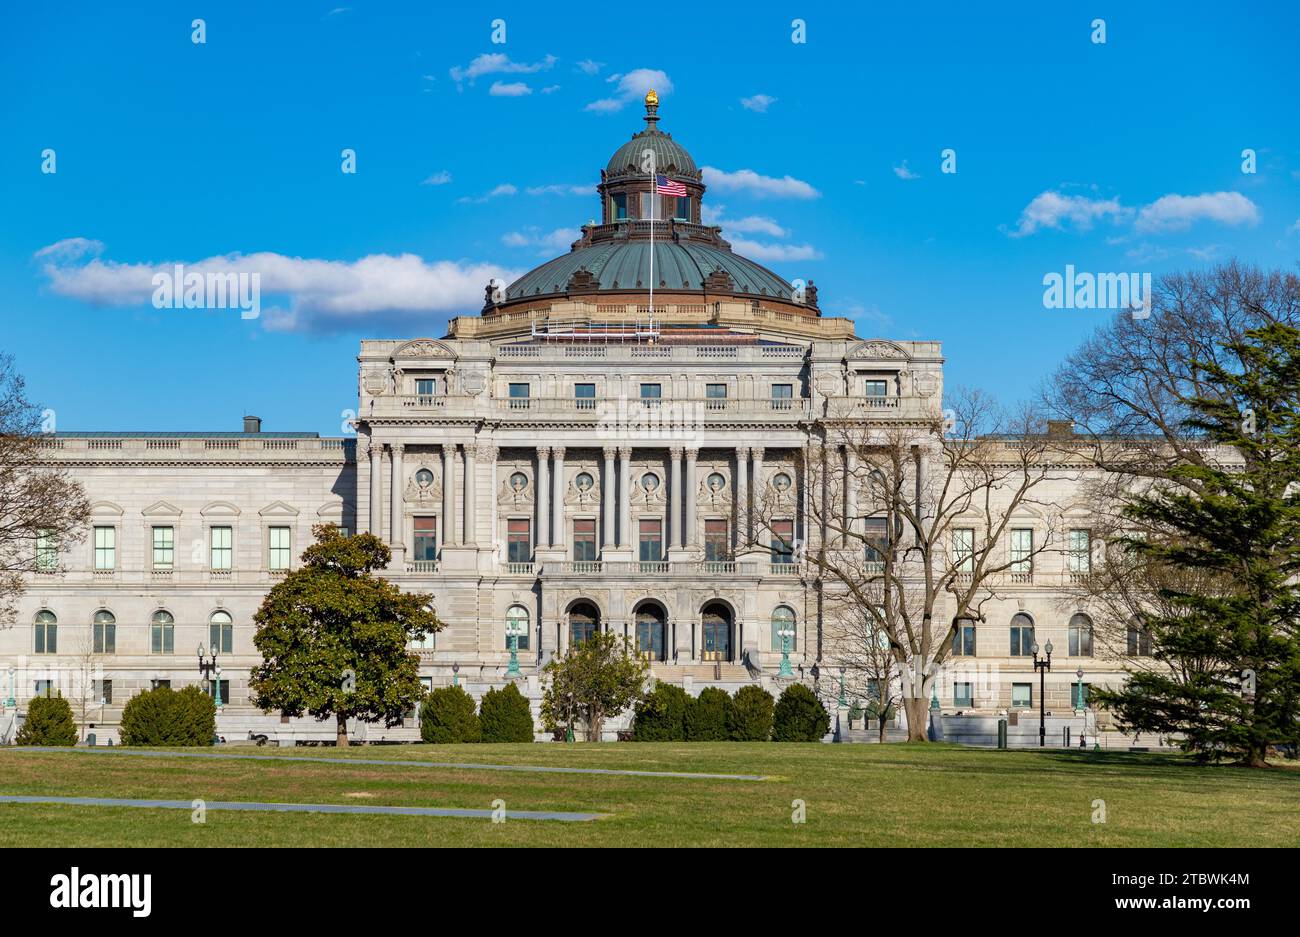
(1078, 693)
(514, 629)
(786, 634)
(844, 699)
(11, 702)
(208, 668)
(1042, 666)
(455, 674)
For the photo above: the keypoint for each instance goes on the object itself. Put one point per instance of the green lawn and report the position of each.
(855, 795)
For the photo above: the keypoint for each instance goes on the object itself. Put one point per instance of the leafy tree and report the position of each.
(749, 717)
(594, 680)
(799, 716)
(706, 716)
(1233, 685)
(164, 716)
(447, 717)
(334, 636)
(505, 715)
(48, 722)
(661, 715)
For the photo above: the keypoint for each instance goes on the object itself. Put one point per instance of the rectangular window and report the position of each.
(618, 207)
(221, 540)
(963, 695)
(782, 396)
(963, 640)
(519, 396)
(426, 540)
(963, 549)
(1139, 642)
(101, 691)
(585, 396)
(278, 547)
(783, 542)
(1022, 695)
(651, 539)
(1080, 550)
(46, 639)
(682, 208)
(164, 547)
(715, 396)
(519, 540)
(647, 205)
(875, 388)
(877, 539)
(104, 634)
(162, 637)
(1022, 550)
(717, 544)
(47, 551)
(221, 636)
(584, 539)
(426, 387)
(44, 687)
(650, 394)
(105, 548)
(208, 687)
(1022, 639)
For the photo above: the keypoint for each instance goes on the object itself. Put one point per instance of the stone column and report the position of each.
(742, 499)
(543, 484)
(469, 529)
(492, 453)
(760, 489)
(557, 524)
(374, 449)
(448, 494)
(396, 536)
(608, 504)
(850, 494)
(676, 529)
(692, 497)
(625, 496)
(695, 639)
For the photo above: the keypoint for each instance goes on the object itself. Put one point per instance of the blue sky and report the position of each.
(1123, 156)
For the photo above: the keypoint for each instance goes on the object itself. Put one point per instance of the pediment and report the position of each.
(219, 509)
(878, 348)
(423, 348)
(161, 509)
(106, 509)
(278, 509)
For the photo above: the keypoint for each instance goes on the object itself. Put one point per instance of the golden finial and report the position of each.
(651, 98)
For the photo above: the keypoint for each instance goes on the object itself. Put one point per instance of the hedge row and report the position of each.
(447, 715)
(669, 714)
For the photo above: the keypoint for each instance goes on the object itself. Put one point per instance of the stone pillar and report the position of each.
(695, 639)
(396, 536)
(608, 504)
(692, 534)
(742, 500)
(625, 497)
(469, 529)
(850, 494)
(675, 528)
(492, 453)
(448, 494)
(760, 489)
(557, 524)
(376, 523)
(543, 482)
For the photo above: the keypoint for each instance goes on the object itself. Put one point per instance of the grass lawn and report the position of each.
(855, 795)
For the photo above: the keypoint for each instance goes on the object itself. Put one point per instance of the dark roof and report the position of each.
(670, 156)
(130, 434)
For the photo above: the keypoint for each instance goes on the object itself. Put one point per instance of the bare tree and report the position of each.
(41, 508)
(871, 673)
(911, 526)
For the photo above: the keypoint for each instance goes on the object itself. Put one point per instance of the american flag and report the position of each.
(668, 186)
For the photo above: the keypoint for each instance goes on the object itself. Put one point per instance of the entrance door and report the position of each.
(717, 633)
(582, 622)
(650, 628)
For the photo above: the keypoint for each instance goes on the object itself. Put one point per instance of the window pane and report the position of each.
(222, 539)
(426, 539)
(717, 545)
(651, 540)
(105, 547)
(584, 540)
(279, 547)
(519, 547)
(164, 552)
(782, 542)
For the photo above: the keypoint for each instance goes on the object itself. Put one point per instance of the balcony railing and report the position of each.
(521, 569)
(651, 568)
(422, 566)
(603, 408)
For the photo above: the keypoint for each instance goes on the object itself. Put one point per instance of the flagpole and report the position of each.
(654, 198)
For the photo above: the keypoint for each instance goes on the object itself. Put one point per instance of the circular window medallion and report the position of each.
(650, 481)
(716, 481)
(584, 481)
(424, 478)
(518, 481)
(781, 482)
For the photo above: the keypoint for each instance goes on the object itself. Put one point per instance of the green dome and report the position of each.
(670, 157)
(625, 265)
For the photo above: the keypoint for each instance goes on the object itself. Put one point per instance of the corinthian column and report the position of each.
(396, 536)
(742, 498)
(760, 489)
(376, 522)
(691, 534)
(557, 522)
(608, 505)
(469, 530)
(448, 494)
(676, 528)
(543, 495)
(625, 496)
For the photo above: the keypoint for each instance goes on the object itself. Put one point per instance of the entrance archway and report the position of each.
(716, 627)
(584, 620)
(651, 629)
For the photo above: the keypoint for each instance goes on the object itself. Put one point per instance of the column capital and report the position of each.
(676, 452)
(487, 450)
(543, 452)
(742, 452)
(692, 453)
(756, 452)
(609, 451)
(557, 451)
(625, 452)
(397, 448)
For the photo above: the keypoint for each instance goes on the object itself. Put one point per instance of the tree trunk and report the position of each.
(917, 710)
(341, 739)
(594, 723)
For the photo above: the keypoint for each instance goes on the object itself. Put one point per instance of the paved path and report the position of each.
(466, 766)
(301, 808)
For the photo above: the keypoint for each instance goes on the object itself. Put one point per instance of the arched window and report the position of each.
(47, 632)
(1139, 640)
(650, 629)
(221, 632)
(1022, 635)
(162, 633)
(517, 621)
(430, 639)
(783, 620)
(715, 626)
(104, 632)
(1080, 635)
(582, 622)
(963, 638)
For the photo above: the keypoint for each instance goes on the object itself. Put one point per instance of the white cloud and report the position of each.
(759, 103)
(758, 250)
(589, 67)
(746, 180)
(504, 188)
(1052, 209)
(320, 295)
(1179, 212)
(495, 63)
(546, 243)
(1206, 253)
(1295, 228)
(509, 89)
(904, 173)
(750, 224)
(631, 87)
(550, 89)
(561, 188)
(441, 177)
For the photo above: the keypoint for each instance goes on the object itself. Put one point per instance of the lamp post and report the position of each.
(786, 634)
(455, 674)
(11, 702)
(1042, 666)
(514, 629)
(844, 699)
(1078, 693)
(209, 669)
